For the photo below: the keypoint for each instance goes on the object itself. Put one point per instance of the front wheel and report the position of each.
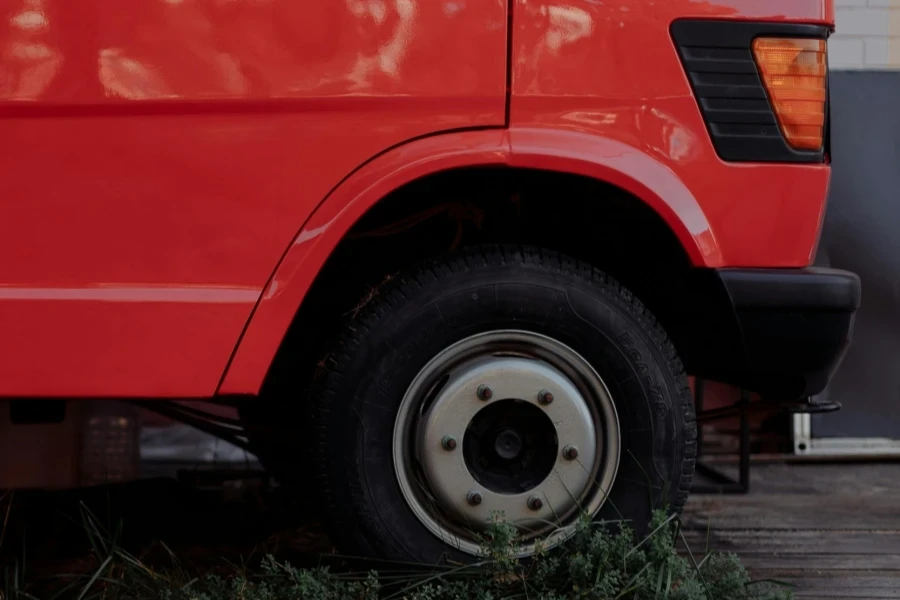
(499, 381)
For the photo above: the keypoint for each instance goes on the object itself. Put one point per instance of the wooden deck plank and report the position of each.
(887, 564)
(831, 530)
(822, 479)
(837, 513)
(845, 587)
(847, 594)
(833, 577)
(797, 542)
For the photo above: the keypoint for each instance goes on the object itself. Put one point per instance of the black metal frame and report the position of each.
(722, 483)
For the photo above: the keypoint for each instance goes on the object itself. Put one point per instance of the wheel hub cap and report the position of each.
(515, 449)
(514, 381)
(508, 445)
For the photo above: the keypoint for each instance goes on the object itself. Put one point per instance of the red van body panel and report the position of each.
(175, 173)
(601, 93)
(159, 157)
(614, 74)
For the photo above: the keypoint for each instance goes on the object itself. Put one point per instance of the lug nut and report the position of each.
(570, 452)
(545, 397)
(485, 392)
(449, 442)
(474, 498)
(535, 503)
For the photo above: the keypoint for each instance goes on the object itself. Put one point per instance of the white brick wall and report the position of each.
(868, 35)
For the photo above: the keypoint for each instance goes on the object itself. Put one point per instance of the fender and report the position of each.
(328, 224)
(628, 168)
(564, 151)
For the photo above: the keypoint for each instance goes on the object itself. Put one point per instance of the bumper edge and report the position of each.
(796, 325)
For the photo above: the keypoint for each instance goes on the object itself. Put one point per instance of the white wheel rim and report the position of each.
(442, 403)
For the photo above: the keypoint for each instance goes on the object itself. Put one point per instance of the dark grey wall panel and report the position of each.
(862, 234)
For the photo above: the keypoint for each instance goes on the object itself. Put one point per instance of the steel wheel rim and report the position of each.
(445, 393)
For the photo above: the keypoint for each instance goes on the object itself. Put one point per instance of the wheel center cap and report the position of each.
(508, 444)
(511, 444)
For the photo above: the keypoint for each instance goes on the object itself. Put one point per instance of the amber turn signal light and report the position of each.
(794, 74)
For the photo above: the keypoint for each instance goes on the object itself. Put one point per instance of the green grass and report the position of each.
(598, 562)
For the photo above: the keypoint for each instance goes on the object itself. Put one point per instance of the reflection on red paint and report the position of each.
(244, 49)
(120, 293)
(612, 73)
(30, 60)
(167, 163)
(182, 144)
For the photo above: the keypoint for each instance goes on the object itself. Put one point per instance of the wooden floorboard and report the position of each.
(832, 531)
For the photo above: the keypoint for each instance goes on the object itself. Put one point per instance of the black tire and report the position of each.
(478, 290)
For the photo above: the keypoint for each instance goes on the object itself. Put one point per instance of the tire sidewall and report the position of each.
(416, 322)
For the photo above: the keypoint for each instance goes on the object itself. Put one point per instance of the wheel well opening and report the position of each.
(582, 217)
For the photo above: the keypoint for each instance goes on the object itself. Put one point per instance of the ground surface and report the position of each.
(832, 530)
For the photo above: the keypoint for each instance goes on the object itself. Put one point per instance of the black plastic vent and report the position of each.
(719, 62)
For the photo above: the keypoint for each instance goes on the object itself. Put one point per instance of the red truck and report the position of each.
(464, 254)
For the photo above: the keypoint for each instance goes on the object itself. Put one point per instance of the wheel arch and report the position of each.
(593, 157)
(627, 168)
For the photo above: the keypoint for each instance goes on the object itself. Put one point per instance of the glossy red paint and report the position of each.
(322, 233)
(552, 149)
(582, 102)
(583, 68)
(608, 159)
(164, 155)
(159, 157)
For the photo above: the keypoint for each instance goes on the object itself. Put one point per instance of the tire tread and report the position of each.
(394, 291)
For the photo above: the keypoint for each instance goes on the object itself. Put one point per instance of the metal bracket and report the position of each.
(722, 483)
(809, 446)
(811, 406)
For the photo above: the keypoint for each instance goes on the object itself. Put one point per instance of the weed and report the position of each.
(599, 561)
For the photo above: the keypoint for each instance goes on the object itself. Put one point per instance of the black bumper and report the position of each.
(795, 326)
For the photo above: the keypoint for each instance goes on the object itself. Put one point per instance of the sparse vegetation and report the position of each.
(598, 562)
